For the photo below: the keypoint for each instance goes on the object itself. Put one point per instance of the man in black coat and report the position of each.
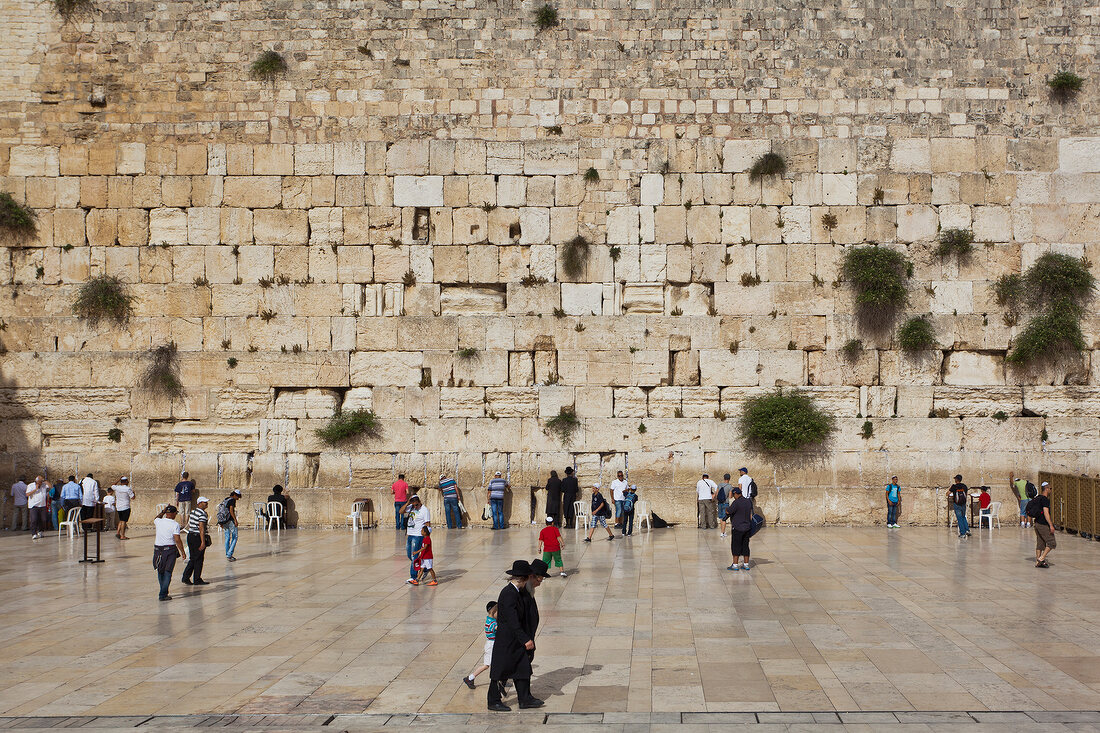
(514, 648)
(569, 491)
(553, 497)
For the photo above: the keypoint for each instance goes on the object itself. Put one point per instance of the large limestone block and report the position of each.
(550, 158)
(720, 367)
(512, 402)
(276, 226)
(534, 225)
(408, 157)
(237, 403)
(418, 191)
(461, 402)
(306, 403)
(1075, 155)
(582, 299)
(835, 367)
(739, 155)
(917, 223)
(459, 300)
(643, 298)
(981, 401)
(305, 370)
(623, 225)
(167, 226)
(195, 435)
(969, 368)
(911, 155)
(34, 160)
(652, 189)
(377, 368)
(1062, 401)
(693, 299)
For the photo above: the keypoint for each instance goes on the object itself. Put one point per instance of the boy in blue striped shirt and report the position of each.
(490, 637)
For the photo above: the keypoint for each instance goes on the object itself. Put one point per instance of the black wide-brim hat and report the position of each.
(538, 567)
(520, 569)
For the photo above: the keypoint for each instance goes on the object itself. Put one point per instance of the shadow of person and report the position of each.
(454, 574)
(555, 681)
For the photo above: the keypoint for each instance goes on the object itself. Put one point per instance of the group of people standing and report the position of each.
(40, 505)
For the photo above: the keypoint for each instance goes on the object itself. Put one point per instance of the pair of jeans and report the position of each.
(628, 522)
(197, 556)
(891, 513)
(165, 579)
(496, 506)
(960, 517)
(402, 520)
(40, 519)
(230, 539)
(454, 516)
(412, 546)
(618, 510)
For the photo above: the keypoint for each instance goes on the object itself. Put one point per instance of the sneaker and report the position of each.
(469, 682)
(498, 707)
(231, 559)
(433, 583)
(201, 582)
(413, 582)
(1042, 564)
(745, 566)
(968, 533)
(610, 537)
(562, 573)
(723, 534)
(734, 567)
(587, 539)
(409, 580)
(186, 582)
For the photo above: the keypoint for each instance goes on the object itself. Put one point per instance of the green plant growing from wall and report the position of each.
(103, 298)
(468, 353)
(69, 9)
(161, 377)
(408, 279)
(999, 416)
(878, 197)
(18, 223)
(879, 277)
(268, 66)
(546, 17)
(851, 349)
(1064, 86)
(1057, 287)
(958, 242)
(1007, 289)
(615, 253)
(592, 176)
(231, 362)
(749, 280)
(114, 435)
(641, 428)
(574, 256)
(829, 222)
(768, 164)
(564, 425)
(916, 334)
(867, 431)
(344, 426)
(784, 421)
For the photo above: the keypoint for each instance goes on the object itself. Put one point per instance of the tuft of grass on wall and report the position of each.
(103, 298)
(18, 223)
(574, 256)
(69, 9)
(768, 164)
(958, 242)
(852, 349)
(563, 426)
(1049, 336)
(546, 17)
(1055, 277)
(916, 334)
(344, 426)
(592, 176)
(1064, 86)
(161, 377)
(784, 421)
(879, 276)
(268, 66)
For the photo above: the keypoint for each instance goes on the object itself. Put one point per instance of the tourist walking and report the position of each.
(124, 496)
(227, 520)
(740, 516)
(185, 494)
(1039, 511)
(490, 637)
(706, 490)
(569, 491)
(451, 500)
(400, 491)
(19, 513)
(553, 497)
(601, 512)
(514, 647)
(36, 505)
(550, 542)
(89, 496)
(618, 491)
(893, 502)
(167, 546)
(959, 500)
(494, 494)
(198, 539)
(748, 485)
(425, 558)
(417, 517)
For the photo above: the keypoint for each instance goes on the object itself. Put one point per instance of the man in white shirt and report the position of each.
(707, 510)
(90, 488)
(36, 503)
(618, 493)
(745, 483)
(419, 518)
(123, 496)
(19, 511)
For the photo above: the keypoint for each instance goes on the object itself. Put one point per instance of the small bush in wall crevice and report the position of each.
(916, 334)
(1055, 277)
(1064, 86)
(784, 421)
(959, 242)
(268, 66)
(1057, 287)
(161, 377)
(69, 9)
(879, 276)
(103, 298)
(768, 164)
(574, 256)
(17, 222)
(546, 17)
(344, 426)
(563, 425)
(1050, 336)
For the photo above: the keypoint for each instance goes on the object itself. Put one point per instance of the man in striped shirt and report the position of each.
(451, 497)
(495, 496)
(197, 523)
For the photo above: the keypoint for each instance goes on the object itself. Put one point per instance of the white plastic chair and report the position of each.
(356, 516)
(993, 514)
(643, 509)
(72, 522)
(275, 514)
(580, 512)
(258, 516)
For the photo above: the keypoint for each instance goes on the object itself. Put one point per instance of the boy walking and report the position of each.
(600, 514)
(490, 637)
(425, 557)
(550, 545)
(1039, 511)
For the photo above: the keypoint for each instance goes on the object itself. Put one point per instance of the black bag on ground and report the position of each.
(657, 522)
(757, 524)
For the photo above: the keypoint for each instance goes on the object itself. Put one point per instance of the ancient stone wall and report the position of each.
(384, 227)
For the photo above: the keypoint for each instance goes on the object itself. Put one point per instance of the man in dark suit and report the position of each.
(514, 648)
(569, 490)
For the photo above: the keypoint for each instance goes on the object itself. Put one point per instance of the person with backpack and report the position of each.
(748, 486)
(893, 502)
(1025, 491)
(227, 520)
(959, 500)
(630, 498)
(1038, 509)
(723, 498)
(600, 514)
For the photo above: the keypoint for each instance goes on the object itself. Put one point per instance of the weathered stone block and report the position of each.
(418, 191)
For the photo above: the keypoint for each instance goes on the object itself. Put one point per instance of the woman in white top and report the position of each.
(167, 546)
(124, 494)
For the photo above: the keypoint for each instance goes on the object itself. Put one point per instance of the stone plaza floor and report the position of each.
(834, 628)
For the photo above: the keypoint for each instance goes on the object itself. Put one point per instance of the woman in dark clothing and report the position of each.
(553, 497)
(569, 491)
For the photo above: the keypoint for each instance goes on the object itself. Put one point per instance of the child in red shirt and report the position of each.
(550, 544)
(426, 558)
